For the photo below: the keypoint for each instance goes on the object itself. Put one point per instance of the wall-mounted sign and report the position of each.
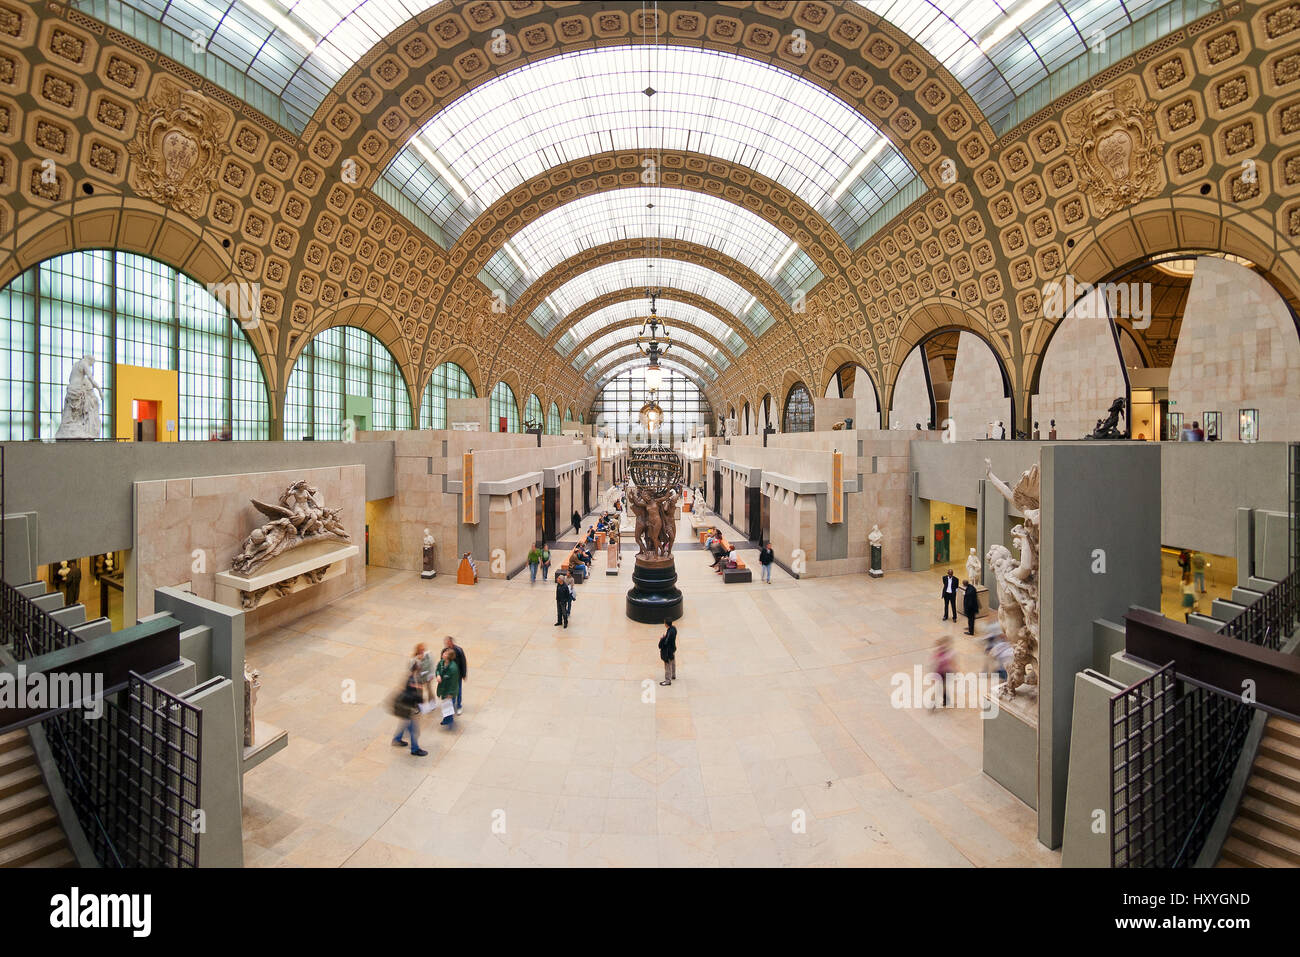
(468, 489)
(836, 507)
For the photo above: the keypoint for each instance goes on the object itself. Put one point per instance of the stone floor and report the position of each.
(777, 745)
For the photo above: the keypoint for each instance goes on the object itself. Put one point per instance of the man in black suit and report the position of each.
(949, 595)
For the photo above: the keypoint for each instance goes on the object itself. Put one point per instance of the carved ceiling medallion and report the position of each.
(177, 148)
(1113, 142)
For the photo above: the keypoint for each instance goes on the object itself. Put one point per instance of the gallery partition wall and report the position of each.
(340, 372)
(125, 309)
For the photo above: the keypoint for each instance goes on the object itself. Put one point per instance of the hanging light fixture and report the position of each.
(653, 344)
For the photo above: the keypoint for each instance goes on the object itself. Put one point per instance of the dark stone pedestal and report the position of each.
(654, 597)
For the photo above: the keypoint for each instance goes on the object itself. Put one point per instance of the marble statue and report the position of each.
(81, 403)
(875, 537)
(1017, 581)
(429, 555)
(252, 684)
(973, 568)
(298, 519)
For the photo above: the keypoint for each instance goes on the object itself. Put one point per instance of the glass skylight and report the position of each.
(621, 361)
(679, 336)
(640, 274)
(998, 49)
(647, 213)
(563, 108)
(676, 314)
(297, 48)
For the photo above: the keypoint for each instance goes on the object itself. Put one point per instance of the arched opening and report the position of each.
(1149, 333)
(852, 381)
(157, 337)
(745, 423)
(503, 409)
(953, 376)
(798, 415)
(344, 375)
(553, 420)
(765, 414)
(533, 413)
(448, 381)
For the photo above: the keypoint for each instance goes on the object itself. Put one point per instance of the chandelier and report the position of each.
(654, 345)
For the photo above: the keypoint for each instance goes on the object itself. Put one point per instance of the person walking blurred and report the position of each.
(461, 662)
(546, 562)
(407, 706)
(448, 686)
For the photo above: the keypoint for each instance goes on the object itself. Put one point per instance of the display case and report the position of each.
(1248, 425)
(1174, 427)
(1213, 423)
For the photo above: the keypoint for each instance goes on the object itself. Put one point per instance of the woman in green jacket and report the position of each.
(448, 683)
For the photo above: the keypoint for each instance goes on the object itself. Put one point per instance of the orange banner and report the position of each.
(468, 489)
(836, 506)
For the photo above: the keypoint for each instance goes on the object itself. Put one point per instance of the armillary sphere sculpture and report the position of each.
(656, 475)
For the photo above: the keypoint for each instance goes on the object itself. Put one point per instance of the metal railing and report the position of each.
(28, 629)
(1174, 747)
(136, 771)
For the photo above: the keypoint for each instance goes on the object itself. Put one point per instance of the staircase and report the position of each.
(30, 834)
(1266, 830)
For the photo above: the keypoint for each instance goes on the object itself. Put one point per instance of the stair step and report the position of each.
(1248, 855)
(14, 739)
(19, 780)
(1279, 749)
(1277, 771)
(15, 758)
(19, 803)
(1266, 838)
(1273, 792)
(24, 826)
(62, 857)
(1271, 816)
(1282, 728)
(33, 848)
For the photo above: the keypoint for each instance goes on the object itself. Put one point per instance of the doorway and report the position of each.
(942, 543)
(144, 420)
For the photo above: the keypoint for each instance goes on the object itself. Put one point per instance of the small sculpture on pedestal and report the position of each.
(252, 682)
(1108, 428)
(429, 555)
(973, 568)
(1017, 582)
(81, 403)
(875, 537)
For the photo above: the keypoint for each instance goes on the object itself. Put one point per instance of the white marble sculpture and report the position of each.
(82, 402)
(298, 519)
(1017, 582)
(429, 556)
(875, 536)
(973, 568)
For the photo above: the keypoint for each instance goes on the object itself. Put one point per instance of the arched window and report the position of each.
(449, 381)
(617, 408)
(798, 410)
(502, 405)
(765, 414)
(130, 310)
(744, 420)
(553, 420)
(568, 415)
(345, 373)
(533, 410)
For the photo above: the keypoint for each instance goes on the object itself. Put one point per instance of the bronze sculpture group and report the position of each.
(656, 522)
